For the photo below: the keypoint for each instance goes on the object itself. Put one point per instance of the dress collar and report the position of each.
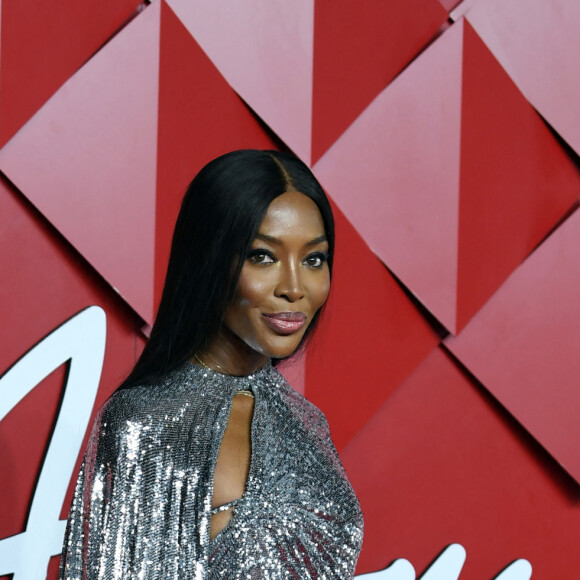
(210, 379)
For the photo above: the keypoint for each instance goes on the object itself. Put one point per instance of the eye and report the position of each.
(316, 260)
(260, 256)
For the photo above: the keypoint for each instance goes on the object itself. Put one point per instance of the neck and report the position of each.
(227, 354)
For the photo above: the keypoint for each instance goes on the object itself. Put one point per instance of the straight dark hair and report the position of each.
(221, 212)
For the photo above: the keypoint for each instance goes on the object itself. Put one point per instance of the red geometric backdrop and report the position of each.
(447, 135)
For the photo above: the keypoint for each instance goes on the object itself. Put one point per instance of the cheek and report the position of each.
(320, 291)
(252, 290)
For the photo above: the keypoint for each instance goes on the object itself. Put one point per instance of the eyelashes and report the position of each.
(262, 257)
(316, 259)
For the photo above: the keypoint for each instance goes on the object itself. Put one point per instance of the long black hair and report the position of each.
(221, 212)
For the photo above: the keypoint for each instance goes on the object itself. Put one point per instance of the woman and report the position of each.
(206, 463)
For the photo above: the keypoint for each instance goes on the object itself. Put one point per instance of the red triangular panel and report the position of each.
(537, 43)
(453, 190)
(358, 50)
(370, 338)
(439, 463)
(87, 160)
(264, 50)
(523, 345)
(42, 44)
(516, 180)
(395, 174)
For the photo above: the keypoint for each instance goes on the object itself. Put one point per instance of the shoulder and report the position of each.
(300, 405)
(152, 403)
(133, 402)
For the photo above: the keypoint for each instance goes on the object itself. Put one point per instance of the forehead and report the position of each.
(292, 213)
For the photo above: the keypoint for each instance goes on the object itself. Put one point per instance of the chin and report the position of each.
(284, 348)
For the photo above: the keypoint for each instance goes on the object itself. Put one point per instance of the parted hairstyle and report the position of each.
(219, 218)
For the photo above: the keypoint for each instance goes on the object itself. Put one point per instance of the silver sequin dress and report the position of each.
(142, 503)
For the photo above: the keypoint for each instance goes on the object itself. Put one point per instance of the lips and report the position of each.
(285, 322)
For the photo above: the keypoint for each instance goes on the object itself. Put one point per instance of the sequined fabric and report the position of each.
(143, 500)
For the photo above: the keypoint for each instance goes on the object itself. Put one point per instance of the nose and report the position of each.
(289, 284)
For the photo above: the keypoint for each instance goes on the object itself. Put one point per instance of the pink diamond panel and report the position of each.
(523, 345)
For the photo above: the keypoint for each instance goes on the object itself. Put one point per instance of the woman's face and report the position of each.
(284, 280)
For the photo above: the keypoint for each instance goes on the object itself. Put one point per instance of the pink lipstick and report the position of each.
(285, 322)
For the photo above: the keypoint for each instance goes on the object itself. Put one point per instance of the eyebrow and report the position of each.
(278, 242)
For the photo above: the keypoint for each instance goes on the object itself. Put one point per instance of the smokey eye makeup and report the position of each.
(262, 256)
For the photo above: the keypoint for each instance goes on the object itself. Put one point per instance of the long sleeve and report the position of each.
(81, 527)
(141, 502)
